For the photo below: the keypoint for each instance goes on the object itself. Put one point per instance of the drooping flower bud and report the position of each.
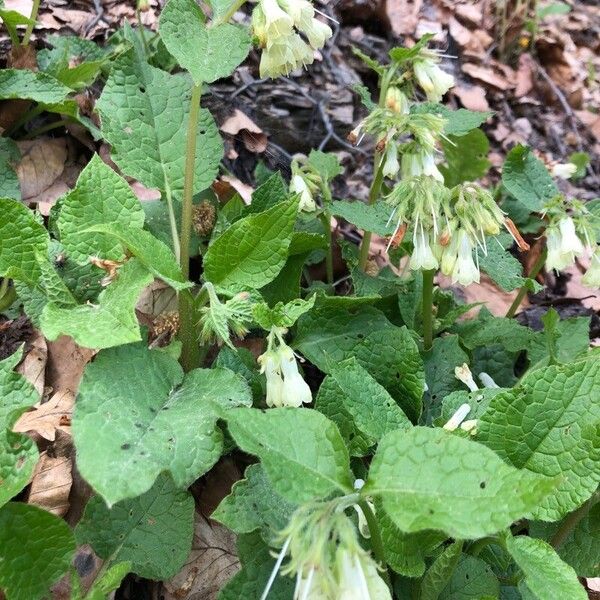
(564, 171)
(299, 186)
(391, 166)
(591, 278)
(397, 101)
(432, 80)
(419, 163)
(422, 258)
(465, 270)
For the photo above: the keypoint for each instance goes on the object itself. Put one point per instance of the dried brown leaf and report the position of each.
(47, 418)
(51, 484)
(33, 366)
(66, 363)
(487, 75)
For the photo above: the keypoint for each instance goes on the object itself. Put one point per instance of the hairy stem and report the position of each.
(478, 545)
(374, 193)
(572, 520)
(376, 540)
(537, 267)
(34, 14)
(172, 221)
(237, 5)
(428, 309)
(190, 352)
(326, 220)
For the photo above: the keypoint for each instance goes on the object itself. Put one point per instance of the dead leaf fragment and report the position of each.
(47, 418)
(487, 75)
(472, 97)
(525, 74)
(66, 363)
(252, 135)
(33, 366)
(51, 484)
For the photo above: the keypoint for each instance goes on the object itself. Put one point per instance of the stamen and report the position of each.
(276, 569)
(308, 584)
(326, 16)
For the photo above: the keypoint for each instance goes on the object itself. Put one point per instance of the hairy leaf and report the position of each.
(29, 85)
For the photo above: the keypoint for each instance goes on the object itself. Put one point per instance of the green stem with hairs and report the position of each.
(190, 351)
(572, 520)
(363, 255)
(537, 267)
(325, 218)
(236, 6)
(376, 540)
(428, 309)
(34, 14)
(47, 128)
(7, 295)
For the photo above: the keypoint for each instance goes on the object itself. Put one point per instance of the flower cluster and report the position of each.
(433, 81)
(572, 230)
(447, 225)
(285, 386)
(326, 557)
(219, 319)
(277, 25)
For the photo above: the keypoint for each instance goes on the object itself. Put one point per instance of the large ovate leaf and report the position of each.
(359, 405)
(370, 217)
(29, 85)
(502, 266)
(18, 452)
(526, 178)
(333, 332)
(10, 156)
(155, 255)
(472, 579)
(36, 549)
(466, 157)
(440, 572)
(252, 252)
(101, 197)
(153, 531)
(136, 409)
(254, 504)
(431, 479)
(22, 236)
(111, 321)
(546, 425)
(208, 53)
(144, 113)
(301, 450)
(546, 575)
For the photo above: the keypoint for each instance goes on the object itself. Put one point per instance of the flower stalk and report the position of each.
(428, 309)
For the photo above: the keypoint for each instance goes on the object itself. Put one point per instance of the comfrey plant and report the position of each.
(391, 448)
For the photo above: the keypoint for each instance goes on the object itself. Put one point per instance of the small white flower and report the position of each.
(397, 101)
(570, 242)
(463, 373)
(295, 390)
(565, 171)
(465, 270)
(391, 166)
(433, 81)
(469, 426)
(420, 163)
(299, 186)
(555, 259)
(563, 245)
(591, 278)
(422, 257)
(487, 381)
(458, 417)
(358, 577)
(277, 22)
(271, 367)
(450, 255)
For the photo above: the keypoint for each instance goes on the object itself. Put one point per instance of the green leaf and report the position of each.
(12, 19)
(500, 265)
(208, 53)
(478, 401)
(136, 409)
(581, 160)
(405, 553)
(466, 157)
(370, 217)
(526, 178)
(301, 450)
(281, 315)
(111, 321)
(546, 575)
(18, 452)
(440, 362)
(10, 155)
(24, 84)
(257, 567)
(440, 572)
(101, 197)
(472, 579)
(271, 192)
(109, 581)
(253, 250)
(430, 479)
(153, 531)
(22, 236)
(331, 333)
(356, 395)
(580, 548)
(144, 115)
(458, 122)
(554, 8)
(326, 164)
(242, 362)
(156, 256)
(36, 549)
(254, 504)
(401, 54)
(544, 426)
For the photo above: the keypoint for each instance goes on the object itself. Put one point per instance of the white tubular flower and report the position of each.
(487, 380)
(303, 17)
(420, 163)
(450, 254)
(285, 55)
(295, 390)
(465, 270)
(422, 257)
(555, 259)
(299, 186)
(397, 101)
(564, 171)
(433, 81)
(458, 417)
(591, 278)
(391, 166)
(463, 373)
(569, 243)
(358, 578)
(270, 365)
(277, 22)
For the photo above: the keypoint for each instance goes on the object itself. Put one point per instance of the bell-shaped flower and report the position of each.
(299, 186)
(422, 258)
(450, 254)
(284, 56)
(415, 164)
(302, 13)
(358, 577)
(591, 278)
(397, 101)
(564, 170)
(563, 244)
(391, 166)
(270, 365)
(569, 242)
(465, 270)
(277, 22)
(295, 390)
(432, 80)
